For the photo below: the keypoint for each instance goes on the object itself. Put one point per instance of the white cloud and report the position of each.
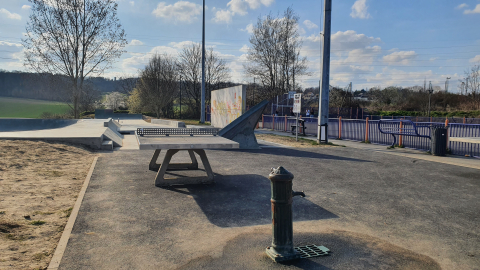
(244, 49)
(136, 42)
(6, 43)
(238, 6)
(26, 7)
(223, 16)
(182, 11)
(359, 10)
(348, 40)
(132, 3)
(433, 59)
(461, 6)
(470, 11)
(475, 59)
(180, 45)
(13, 16)
(400, 57)
(309, 24)
(248, 29)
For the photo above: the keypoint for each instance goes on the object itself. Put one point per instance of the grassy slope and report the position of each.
(29, 108)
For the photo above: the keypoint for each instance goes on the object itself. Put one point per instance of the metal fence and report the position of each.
(367, 130)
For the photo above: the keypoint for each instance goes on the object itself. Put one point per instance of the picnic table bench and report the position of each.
(399, 127)
(302, 126)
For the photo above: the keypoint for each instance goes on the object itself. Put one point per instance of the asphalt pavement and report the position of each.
(373, 210)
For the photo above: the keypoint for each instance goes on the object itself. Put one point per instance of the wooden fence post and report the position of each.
(446, 126)
(464, 120)
(366, 130)
(340, 127)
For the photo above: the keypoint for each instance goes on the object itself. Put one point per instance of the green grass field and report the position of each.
(29, 108)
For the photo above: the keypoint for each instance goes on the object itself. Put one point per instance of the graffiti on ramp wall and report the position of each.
(227, 105)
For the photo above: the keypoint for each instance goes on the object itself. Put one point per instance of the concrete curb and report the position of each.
(62, 244)
(173, 123)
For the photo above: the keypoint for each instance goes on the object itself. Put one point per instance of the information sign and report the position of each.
(297, 103)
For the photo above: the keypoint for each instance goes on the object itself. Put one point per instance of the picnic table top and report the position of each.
(185, 142)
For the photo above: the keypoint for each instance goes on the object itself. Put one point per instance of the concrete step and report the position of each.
(107, 145)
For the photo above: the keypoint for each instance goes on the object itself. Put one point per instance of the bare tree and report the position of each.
(274, 55)
(76, 38)
(158, 85)
(190, 65)
(216, 72)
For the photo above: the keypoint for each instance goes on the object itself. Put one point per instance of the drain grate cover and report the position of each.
(310, 251)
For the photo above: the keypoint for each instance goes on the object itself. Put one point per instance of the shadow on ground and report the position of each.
(349, 251)
(291, 152)
(244, 200)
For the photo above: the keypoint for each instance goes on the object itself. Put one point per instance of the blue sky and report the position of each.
(374, 42)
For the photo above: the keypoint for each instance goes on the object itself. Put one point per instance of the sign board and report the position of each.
(297, 103)
(291, 94)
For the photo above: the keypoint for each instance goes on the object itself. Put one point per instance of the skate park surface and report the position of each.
(373, 210)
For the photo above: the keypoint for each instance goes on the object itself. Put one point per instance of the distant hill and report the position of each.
(46, 86)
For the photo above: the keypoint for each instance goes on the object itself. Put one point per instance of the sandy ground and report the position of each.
(39, 183)
(289, 141)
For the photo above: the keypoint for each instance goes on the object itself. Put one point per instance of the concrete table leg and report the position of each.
(160, 180)
(154, 166)
(206, 164)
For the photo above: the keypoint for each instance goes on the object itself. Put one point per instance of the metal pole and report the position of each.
(202, 117)
(254, 88)
(324, 100)
(296, 129)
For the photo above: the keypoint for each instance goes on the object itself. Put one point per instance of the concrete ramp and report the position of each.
(241, 130)
(94, 133)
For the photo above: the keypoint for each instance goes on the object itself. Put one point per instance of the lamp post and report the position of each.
(446, 84)
(430, 91)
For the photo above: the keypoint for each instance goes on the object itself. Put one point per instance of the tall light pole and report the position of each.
(323, 102)
(430, 91)
(202, 110)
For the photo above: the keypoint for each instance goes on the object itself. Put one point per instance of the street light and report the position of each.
(446, 84)
(430, 91)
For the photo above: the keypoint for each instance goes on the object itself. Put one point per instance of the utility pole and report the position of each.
(323, 102)
(446, 84)
(202, 110)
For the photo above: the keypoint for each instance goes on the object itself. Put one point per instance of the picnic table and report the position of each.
(173, 140)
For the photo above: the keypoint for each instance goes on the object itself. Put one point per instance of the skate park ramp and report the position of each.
(97, 134)
(241, 130)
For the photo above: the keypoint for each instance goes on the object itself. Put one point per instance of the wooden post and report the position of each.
(400, 137)
(366, 130)
(464, 120)
(285, 123)
(431, 119)
(446, 126)
(340, 127)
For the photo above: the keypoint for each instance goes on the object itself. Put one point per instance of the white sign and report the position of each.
(297, 103)
(291, 94)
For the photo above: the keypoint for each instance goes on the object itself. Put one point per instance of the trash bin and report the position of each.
(439, 140)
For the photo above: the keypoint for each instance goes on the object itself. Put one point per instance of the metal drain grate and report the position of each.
(310, 251)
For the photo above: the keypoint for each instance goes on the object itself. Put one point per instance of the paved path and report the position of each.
(468, 162)
(373, 210)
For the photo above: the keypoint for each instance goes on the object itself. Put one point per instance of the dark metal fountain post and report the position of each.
(282, 225)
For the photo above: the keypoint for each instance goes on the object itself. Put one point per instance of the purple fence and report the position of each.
(356, 130)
